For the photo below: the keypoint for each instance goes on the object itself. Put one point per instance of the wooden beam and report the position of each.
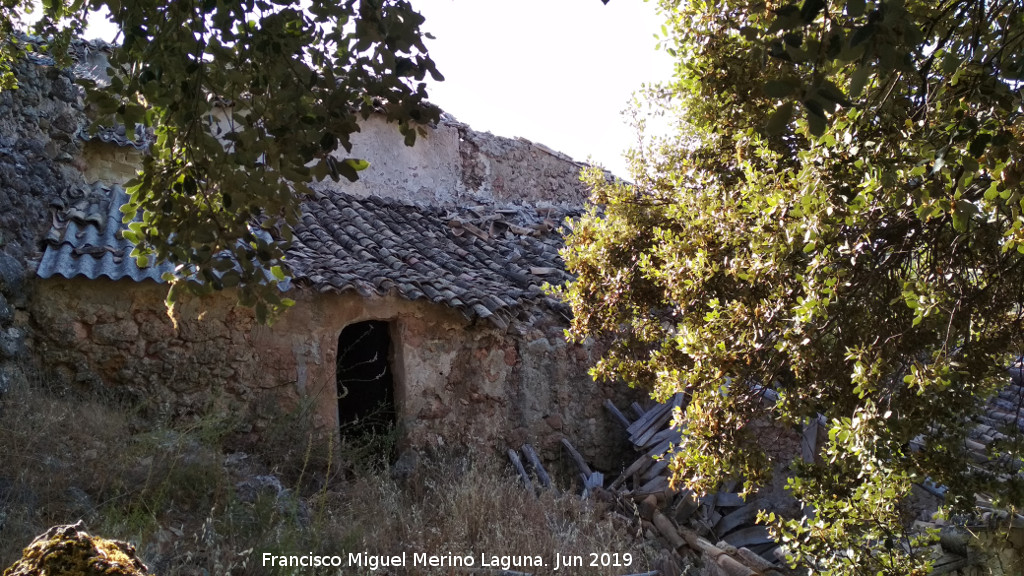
(538, 468)
(513, 456)
(616, 414)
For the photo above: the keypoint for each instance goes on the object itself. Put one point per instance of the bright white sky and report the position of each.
(557, 72)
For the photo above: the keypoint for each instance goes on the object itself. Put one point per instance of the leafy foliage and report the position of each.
(248, 100)
(838, 217)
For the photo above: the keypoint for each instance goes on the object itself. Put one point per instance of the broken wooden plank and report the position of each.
(662, 448)
(755, 560)
(685, 507)
(638, 411)
(641, 439)
(749, 537)
(654, 486)
(616, 414)
(647, 420)
(741, 516)
(671, 434)
(668, 530)
(538, 468)
(513, 456)
(655, 413)
(729, 500)
(656, 470)
(593, 482)
(577, 458)
(727, 565)
(809, 441)
(950, 563)
(640, 465)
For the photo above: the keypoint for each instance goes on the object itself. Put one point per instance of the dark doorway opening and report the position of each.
(366, 388)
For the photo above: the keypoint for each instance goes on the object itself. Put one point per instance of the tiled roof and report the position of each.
(1003, 413)
(483, 261)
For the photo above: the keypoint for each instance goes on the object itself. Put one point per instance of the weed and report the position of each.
(169, 488)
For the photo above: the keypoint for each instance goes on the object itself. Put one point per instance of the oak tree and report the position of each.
(837, 217)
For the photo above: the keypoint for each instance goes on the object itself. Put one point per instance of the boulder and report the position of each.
(70, 550)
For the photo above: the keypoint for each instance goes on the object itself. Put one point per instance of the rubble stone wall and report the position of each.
(455, 164)
(451, 164)
(456, 382)
(38, 170)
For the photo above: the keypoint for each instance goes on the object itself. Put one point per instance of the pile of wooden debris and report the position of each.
(718, 528)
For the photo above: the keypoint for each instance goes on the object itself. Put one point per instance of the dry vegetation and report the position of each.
(193, 505)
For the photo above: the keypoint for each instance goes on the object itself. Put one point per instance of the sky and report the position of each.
(557, 72)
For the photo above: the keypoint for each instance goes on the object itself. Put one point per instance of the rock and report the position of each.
(268, 486)
(64, 89)
(12, 274)
(79, 500)
(10, 376)
(6, 313)
(555, 421)
(12, 343)
(406, 467)
(66, 122)
(70, 550)
(251, 489)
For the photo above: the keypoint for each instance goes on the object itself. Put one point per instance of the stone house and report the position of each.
(419, 293)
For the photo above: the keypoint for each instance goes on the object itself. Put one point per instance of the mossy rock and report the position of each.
(69, 551)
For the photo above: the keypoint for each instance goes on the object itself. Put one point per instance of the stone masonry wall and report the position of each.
(459, 381)
(454, 164)
(456, 382)
(38, 148)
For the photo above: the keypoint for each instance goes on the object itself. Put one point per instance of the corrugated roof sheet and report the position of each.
(486, 262)
(118, 136)
(85, 240)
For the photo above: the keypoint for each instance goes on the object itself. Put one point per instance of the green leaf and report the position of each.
(832, 92)
(858, 80)
(979, 144)
(855, 8)
(779, 119)
(357, 164)
(816, 122)
(781, 88)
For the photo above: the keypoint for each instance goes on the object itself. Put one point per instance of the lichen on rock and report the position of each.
(69, 551)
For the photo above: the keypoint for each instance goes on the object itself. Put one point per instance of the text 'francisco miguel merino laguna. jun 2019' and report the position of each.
(374, 562)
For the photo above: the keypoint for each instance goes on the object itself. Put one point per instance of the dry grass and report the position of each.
(169, 489)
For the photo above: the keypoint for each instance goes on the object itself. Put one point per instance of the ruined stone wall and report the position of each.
(454, 164)
(38, 148)
(456, 382)
(38, 152)
(466, 383)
